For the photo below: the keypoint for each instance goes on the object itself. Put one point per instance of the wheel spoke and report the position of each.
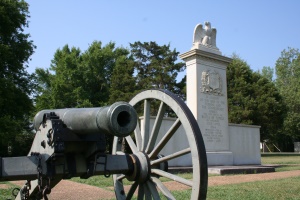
(153, 190)
(120, 177)
(156, 126)
(115, 145)
(141, 192)
(171, 156)
(162, 188)
(146, 123)
(165, 139)
(172, 176)
(138, 136)
(119, 188)
(132, 190)
(147, 192)
(131, 144)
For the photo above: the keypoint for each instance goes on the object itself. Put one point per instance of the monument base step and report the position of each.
(241, 169)
(222, 170)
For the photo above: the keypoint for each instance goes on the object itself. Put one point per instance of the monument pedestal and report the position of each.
(207, 99)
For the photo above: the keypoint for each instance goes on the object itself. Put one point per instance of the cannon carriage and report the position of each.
(71, 143)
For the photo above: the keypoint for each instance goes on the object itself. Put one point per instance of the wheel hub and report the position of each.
(141, 167)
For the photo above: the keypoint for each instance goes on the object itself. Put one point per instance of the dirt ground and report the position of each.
(71, 190)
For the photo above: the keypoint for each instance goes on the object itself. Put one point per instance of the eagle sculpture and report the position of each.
(204, 36)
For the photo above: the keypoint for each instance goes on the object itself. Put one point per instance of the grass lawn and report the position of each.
(280, 189)
(262, 190)
(287, 163)
(5, 190)
(281, 160)
(98, 181)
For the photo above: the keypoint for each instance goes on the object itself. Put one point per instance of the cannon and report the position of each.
(71, 143)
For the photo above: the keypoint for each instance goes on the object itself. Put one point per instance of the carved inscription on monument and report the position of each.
(214, 117)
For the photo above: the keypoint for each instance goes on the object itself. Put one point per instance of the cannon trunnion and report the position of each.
(71, 143)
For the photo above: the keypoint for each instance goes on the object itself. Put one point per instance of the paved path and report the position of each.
(71, 190)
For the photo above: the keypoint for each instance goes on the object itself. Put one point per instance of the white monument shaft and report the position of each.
(207, 96)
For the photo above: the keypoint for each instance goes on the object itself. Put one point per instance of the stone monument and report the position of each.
(226, 144)
(207, 99)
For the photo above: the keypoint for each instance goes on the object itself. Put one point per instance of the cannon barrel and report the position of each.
(119, 119)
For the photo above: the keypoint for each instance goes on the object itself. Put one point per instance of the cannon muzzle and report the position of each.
(119, 119)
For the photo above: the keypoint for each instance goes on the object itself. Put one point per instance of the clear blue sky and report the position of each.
(256, 30)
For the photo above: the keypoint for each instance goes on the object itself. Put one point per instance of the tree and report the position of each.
(16, 84)
(123, 85)
(100, 62)
(239, 84)
(156, 66)
(43, 98)
(267, 72)
(270, 110)
(254, 100)
(288, 83)
(78, 79)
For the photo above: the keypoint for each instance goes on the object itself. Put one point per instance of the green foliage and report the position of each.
(66, 84)
(16, 84)
(288, 83)
(254, 100)
(267, 72)
(78, 79)
(270, 110)
(156, 66)
(103, 75)
(239, 85)
(43, 98)
(123, 85)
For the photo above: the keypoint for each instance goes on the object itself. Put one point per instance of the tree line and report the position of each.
(105, 73)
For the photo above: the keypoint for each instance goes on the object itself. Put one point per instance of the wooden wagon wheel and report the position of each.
(146, 147)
